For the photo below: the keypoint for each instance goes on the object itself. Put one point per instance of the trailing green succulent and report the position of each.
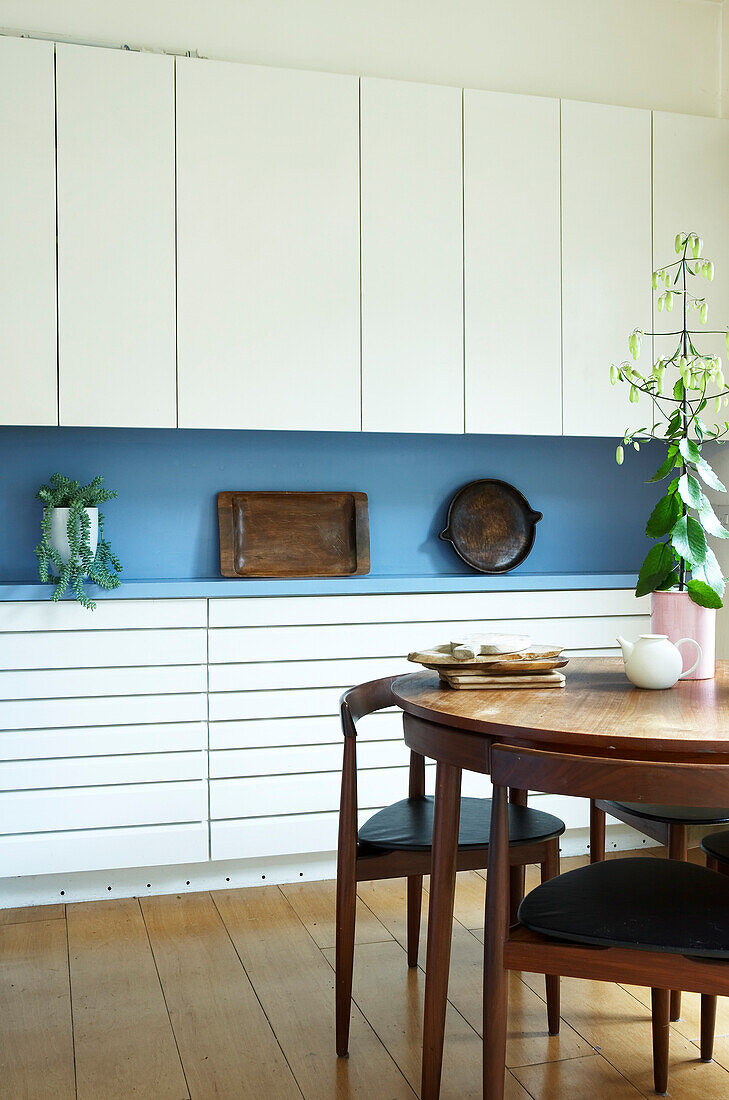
(683, 517)
(101, 568)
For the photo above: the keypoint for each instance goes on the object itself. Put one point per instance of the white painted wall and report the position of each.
(646, 53)
(718, 456)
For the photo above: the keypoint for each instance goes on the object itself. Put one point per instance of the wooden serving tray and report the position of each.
(503, 683)
(293, 534)
(440, 658)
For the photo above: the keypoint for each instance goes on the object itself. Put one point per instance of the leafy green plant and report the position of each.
(683, 517)
(100, 568)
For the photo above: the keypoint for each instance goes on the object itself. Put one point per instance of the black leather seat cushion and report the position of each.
(677, 815)
(716, 845)
(408, 825)
(656, 904)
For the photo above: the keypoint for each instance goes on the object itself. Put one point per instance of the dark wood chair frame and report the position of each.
(359, 863)
(675, 838)
(521, 949)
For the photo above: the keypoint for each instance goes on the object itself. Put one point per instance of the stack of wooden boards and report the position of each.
(495, 661)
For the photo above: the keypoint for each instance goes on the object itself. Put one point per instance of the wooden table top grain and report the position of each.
(598, 709)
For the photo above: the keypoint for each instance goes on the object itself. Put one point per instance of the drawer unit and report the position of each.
(103, 750)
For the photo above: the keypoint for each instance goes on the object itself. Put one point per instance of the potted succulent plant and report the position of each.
(681, 570)
(72, 538)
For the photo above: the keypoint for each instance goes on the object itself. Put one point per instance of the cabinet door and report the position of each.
(412, 257)
(607, 262)
(116, 237)
(28, 377)
(268, 247)
(690, 181)
(512, 264)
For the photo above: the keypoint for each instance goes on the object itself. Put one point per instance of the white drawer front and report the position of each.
(305, 674)
(422, 607)
(306, 758)
(169, 737)
(325, 730)
(111, 614)
(102, 849)
(24, 775)
(102, 807)
(274, 704)
(129, 709)
(302, 643)
(103, 648)
(294, 794)
(90, 682)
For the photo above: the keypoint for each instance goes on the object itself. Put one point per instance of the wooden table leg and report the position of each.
(440, 922)
(597, 833)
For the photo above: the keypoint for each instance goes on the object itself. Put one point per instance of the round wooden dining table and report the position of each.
(597, 713)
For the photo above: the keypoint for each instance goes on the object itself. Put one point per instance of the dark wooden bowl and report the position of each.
(491, 525)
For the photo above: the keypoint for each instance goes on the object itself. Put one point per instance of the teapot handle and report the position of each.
(693, 666)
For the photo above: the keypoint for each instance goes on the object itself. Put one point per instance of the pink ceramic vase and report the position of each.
(676, 614)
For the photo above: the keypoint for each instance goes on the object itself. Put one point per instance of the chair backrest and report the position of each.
(365, 699)
(679, 784)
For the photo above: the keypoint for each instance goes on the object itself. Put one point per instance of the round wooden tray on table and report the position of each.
(598, 712)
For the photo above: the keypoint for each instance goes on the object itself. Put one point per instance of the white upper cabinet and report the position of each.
(607, 262)
(691, 195)
(512, 264)
(412, 257)
(116, 234)
(268, 248)
(27, 234)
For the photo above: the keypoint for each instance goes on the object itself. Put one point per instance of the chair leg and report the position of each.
(346, 896)
(675, 1010)
(708, 1025)
(344, 965)
(661, 1030)
(597, 833)
(708, 1003)
(414, 903)
(517, 878)
(550, 869)
(496, 978)
(677, 849)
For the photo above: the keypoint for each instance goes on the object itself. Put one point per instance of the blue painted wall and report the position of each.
(164, 524)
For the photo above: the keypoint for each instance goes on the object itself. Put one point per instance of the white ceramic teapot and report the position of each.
(654, 662)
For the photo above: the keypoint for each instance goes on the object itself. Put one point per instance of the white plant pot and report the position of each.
(59, 531)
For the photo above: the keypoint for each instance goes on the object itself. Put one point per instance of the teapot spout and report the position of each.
(625, 645)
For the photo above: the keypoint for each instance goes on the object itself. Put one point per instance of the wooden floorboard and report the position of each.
(314, 904)
(36, 1044)
(31, 913)
(575, 1079)
(226, 1043)
(122, 1034)
(296, 987)
(391, 998)
(230, 996)
(619, 1027)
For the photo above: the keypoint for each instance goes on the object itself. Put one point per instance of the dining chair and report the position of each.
(615, 921)
(670, 826)
(397, 842)
(716, 849)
